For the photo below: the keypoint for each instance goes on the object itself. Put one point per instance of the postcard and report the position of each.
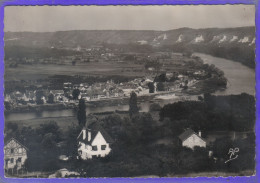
(141, 91)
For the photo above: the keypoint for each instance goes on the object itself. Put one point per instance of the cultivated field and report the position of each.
(41, 71)
(122, 68)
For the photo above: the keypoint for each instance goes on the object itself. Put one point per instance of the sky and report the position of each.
(62, 18)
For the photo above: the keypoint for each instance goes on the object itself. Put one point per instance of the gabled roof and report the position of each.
(12, 138)
(187, 133)
(94, 128)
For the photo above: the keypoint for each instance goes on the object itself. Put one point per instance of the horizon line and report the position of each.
(127, 29)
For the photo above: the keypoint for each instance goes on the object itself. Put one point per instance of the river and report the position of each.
(241, 79)
(144, 107)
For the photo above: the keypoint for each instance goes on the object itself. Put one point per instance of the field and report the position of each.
(41, 71)
(122, 68)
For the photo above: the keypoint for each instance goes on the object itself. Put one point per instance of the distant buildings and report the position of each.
(64, 173)
(191, 139)
(15, 154)
(93, 141)
(58, 95)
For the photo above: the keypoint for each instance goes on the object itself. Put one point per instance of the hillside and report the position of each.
(232, 43)
(85, 38)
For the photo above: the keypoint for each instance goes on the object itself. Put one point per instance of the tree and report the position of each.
(187, 53)
(39, 95)
(7, 105)
(75, 94)
(42, 143)
(82, 113)
(151, 87)
(161, 78)
(221, 147)
(154, 107)
(50, 128)
(49, 141)
(146, 125)
(133, 109)
(71, 148)
(157, 67)
(50, 99)
(160, 86)
(200, 98)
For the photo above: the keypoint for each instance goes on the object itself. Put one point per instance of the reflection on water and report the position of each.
(144, 107)
(241, 79)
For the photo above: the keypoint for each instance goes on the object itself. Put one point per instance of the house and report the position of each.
(57, 92)
(191, 139)
(93, 141)
(64, 173)
(58, 95)
(18, 95)
(15, 154)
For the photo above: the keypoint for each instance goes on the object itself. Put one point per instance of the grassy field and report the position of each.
(126, 68)
(41, 71)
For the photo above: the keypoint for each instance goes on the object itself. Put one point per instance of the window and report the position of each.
(12, 160)
(6, 162)
(12, 150)
(103, 147)
(94, 148)
(20, 150)
(19, 160)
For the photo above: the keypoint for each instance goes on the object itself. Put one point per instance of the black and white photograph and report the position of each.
(129, 91)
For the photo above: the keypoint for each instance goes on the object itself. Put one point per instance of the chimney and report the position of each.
(89, 135)
(84, 133)
(199, 133)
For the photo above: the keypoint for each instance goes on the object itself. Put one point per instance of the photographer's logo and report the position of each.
(233, 154)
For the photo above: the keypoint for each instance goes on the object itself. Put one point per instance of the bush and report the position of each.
(155, 107)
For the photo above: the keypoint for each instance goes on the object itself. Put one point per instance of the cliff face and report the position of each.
(237, 44)
(243, 36)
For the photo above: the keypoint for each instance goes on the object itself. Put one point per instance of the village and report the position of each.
(108, 138)
(179, 130)
(156, 74)
(129, 92)
(95, 92)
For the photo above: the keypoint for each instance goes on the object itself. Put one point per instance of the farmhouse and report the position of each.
(191, 139)
(93, 141)
(15, 154)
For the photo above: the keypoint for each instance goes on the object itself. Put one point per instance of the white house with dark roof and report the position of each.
(15, 154)
(191, 139)
(93, 141)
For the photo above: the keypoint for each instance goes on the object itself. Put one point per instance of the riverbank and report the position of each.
(39, 108)
(241, 79)
(120, 101)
